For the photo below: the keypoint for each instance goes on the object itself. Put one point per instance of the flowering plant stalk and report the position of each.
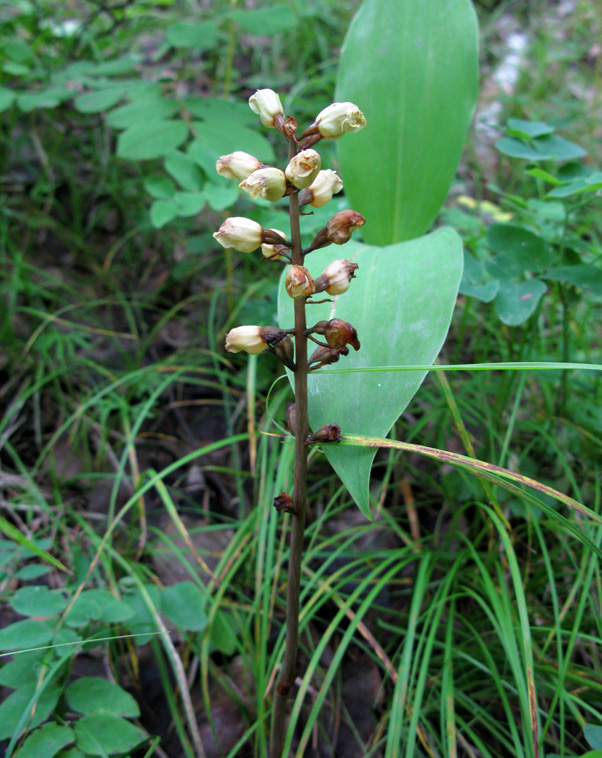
(304, 183)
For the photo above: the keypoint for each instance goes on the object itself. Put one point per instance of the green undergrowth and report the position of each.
(142, 564)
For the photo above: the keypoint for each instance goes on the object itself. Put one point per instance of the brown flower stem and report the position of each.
(289, 662)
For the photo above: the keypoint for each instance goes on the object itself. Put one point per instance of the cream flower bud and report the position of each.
(303, 168)
(338, 118)
(266, 104)
(247, 338)
(268, 183)
(242, 234)
(324, 186)
(336, 277)
(237, 165)
(299, 282)
(274, 251)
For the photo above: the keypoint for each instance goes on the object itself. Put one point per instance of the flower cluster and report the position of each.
(303, 177)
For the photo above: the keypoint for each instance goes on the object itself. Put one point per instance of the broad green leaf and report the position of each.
(46, 741)
(7, 98)
(23, 670)
(32, 571)
(92, 694)
(153, 140)
(101, 100)
(552, 148)
(189, 203)
(483, 292)
(202, 36)
(48, 98)
(162, 212)
(516, 301)
(539, 173)
(98, 605)
(592, 183)
(142, 621)
(401, 302)
(215, 109)
(14, 706)
(412, 69)
(141, 112)
(222, 635)
(99, 733)
(223, 137)
(160, 187)
(25, 634)
(593, 734)
(185, 171)
(528, 129)
(38, 600)
(264, 21)
(220, 198)
(522, 247)
(183, 604)
(583, 275)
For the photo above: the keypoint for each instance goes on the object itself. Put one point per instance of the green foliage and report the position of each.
(415, 74)
(415, 285)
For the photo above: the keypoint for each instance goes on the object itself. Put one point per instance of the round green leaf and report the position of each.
(151, 140)
(38, 601)
(265, 21)
(92, 694)
(25, 634)
(222, 635)
(401, 303)
(97, 605)
(23, 670)
(516, 301)
(142, 111)
(7, 98)
(524, 249)
(48, 98)
(162, 212)
(185, 171)
(412, 69)
(160, 187)
(189, 203)
(32, 571)
(100, 732)
(101, 100)
(583, 275)
(551, 148)
(203, 35)
(593, 734)
(46, 741)
(15, 705)
(183, 604)
(528, 129)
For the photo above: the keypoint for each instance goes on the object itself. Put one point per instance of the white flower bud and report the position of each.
(247, 338)
(266, 104)
(303, 168)
(268, 183)
(336, 277)
(242, 234)
(237, 165)
(299, 282)
(339, 118)
(325, 185)
(272, 251)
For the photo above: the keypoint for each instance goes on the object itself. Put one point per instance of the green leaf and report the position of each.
(141, 112)
(189, 203)
(525, 249)
(160, 187)
(220, 198)
(202, 36)
(528, 129)
(222, 634)
(152, 140)
(591, 183)
(184, 170)
(483, 292)
(215, 109)
(401, 303)
(100, 732)
(32, 571)
(98, 605)
(37, 549)
(412, 70)
(516, 301)
(46, 741)
(226, 137)
(143, 622)
(101, 100)
(15, 704)
(48, 98)
(38, 601)
(25, 634)
(552, 148)
(184, 605)
(264, 21)
(23, 670)
(583, 275)
(162, 212)
(539, 173)
(7, 98)
(593, 734)
(92, 694)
